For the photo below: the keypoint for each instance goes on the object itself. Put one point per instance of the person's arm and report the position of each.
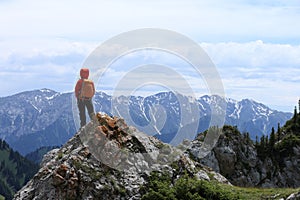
(93, 89)
(78, 88)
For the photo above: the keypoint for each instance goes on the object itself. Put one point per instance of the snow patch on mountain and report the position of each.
(40, 111)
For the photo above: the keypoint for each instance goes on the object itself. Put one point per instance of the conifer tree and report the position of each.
(247, 137)
(272, 140)
(262, 141)
(295, 115)
(278, 132)
(261, 147)
(299, 105)
(266, 141)
(256, 141)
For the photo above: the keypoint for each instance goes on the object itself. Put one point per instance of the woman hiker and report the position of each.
(84, 92)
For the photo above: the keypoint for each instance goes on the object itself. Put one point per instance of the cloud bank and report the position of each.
(262, 71)
(254, 43)
(213, 21)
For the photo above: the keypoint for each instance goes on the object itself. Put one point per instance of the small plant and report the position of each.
(160, 187)
(60, 155)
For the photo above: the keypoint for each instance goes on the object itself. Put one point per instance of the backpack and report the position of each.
(87, 89)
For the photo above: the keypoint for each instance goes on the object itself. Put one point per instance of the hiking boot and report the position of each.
(93, 117)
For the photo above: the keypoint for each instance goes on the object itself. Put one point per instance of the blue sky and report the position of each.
(255, 45)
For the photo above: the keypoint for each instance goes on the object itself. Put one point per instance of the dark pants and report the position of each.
(82, 103)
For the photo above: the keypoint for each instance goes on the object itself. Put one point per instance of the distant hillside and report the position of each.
(30, 120)
(15, 170)
(38, 154)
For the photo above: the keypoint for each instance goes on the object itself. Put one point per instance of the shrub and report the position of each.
(160, 187)
(287, 144)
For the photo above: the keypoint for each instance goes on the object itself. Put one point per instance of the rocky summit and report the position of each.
(107, 159)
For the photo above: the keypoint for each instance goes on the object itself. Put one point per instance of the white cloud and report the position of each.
(203, 20)
(42, 41)
(39, 63)
(254, 54)
(265, 72)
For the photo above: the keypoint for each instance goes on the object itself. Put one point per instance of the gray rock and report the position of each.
(108, 160)
(202, 175)
(238, 161)
(49, 156)
(295, 196)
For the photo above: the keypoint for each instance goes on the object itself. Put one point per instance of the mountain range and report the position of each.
(33, 119)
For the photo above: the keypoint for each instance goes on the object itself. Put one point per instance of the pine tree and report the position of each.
(266, 141)
(256, 141)
(299, 105)
(272, 140)
(247, 137)
(262, 141)
(295, 115)
(261, 147)
(278, 132)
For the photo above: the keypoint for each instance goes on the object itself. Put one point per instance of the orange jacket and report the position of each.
(84, 74)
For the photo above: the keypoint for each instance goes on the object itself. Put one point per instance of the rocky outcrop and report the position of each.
(236, 158)
(295, 196)
(109, 160)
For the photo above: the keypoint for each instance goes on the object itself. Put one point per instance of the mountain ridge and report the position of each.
(44, 115)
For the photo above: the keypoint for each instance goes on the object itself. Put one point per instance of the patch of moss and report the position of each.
(211, 176)
(59, 155)
(118, 189)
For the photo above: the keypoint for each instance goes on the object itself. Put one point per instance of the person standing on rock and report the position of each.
(84, 92)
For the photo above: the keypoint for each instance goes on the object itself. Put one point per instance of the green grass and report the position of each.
(160, 187)
(260, 193)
